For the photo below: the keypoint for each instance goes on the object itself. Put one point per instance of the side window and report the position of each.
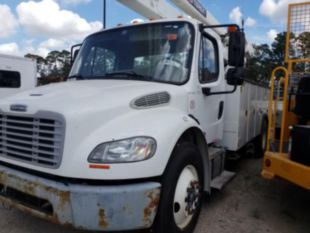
(9, 79)
(208, 60)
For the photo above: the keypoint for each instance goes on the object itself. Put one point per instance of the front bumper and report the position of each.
(104, 208)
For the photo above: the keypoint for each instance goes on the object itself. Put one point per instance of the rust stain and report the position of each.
(53, 219)
(29, 188)
(102, 219)
(151, 207)
(64, 199)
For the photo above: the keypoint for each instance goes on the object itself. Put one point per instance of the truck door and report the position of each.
(211, 78)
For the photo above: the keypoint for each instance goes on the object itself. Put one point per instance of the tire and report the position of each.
(182, 187)
(261, 144)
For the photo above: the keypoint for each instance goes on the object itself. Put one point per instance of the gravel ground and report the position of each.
(248, 204)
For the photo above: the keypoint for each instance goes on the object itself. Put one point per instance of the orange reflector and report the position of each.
(172, 36)
(97, 166)
(232, 29)
(267, 163)
(180, 17)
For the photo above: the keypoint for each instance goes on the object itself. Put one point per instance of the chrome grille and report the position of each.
(37, 139)
(151, 100)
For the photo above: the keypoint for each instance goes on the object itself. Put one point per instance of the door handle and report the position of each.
(221, 110)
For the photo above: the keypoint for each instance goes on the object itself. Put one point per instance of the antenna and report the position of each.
(104, 13)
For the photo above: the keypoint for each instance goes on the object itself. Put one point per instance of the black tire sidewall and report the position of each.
(183, 155)
(260, 150)
(264, 132)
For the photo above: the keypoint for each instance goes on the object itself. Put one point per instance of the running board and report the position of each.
(219, 181)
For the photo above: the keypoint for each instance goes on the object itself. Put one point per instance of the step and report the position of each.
(220, 181)
(214, 152)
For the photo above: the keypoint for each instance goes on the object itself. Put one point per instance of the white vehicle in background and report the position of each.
(139, 131)
(16, 74)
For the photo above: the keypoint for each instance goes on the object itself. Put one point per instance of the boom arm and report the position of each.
(160, 9)
(151, 9)
(194, 9)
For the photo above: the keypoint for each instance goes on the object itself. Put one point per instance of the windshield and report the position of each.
(160, 52)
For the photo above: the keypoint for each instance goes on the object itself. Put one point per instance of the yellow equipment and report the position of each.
(287, 154)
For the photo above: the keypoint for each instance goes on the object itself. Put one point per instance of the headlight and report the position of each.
(127, 150)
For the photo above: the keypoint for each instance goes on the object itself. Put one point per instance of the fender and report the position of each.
(164, 124)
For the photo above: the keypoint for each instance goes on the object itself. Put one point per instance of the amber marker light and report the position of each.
(232, 29)
(99, 166)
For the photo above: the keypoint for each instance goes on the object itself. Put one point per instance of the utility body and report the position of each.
(140, 129)
(16, 74)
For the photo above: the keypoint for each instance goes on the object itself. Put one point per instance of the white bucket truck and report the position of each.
(16, 74)
(139, 131)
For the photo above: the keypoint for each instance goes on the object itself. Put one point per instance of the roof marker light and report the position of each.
(137, 21)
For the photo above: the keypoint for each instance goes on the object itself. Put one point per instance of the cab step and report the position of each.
(220, 181)
(219, 176)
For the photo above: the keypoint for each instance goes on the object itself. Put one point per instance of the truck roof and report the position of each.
(16, 57)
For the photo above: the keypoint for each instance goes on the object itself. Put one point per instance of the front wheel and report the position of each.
(182, 187)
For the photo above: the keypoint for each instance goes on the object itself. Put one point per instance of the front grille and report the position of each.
(37, 139)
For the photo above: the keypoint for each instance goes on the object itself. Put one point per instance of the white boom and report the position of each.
(195, 9)
(161, 9)
(152, 9)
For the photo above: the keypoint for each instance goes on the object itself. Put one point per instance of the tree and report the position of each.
(278, 49)
(259, 64)
(41, 64)
(56, 65)
(303, 50)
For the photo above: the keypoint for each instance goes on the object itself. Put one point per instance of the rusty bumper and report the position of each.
(104, 208)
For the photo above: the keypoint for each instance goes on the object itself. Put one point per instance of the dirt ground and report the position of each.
(248, 204)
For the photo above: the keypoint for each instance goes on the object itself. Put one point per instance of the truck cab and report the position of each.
(132, 139)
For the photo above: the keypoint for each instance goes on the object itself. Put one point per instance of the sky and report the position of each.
(40, 26)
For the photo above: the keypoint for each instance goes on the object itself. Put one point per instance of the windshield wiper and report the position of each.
(76, 77)
(129, 75)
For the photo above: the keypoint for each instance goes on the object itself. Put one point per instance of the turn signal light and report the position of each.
(232, 29)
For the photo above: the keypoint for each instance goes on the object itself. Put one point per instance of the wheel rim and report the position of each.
(186, 197)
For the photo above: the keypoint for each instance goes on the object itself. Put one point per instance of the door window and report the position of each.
(208, 60)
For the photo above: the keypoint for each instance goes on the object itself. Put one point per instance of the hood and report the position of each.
(80, 96)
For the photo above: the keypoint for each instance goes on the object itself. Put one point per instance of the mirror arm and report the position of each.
(72, 48)
(202, 26)
(207, 91)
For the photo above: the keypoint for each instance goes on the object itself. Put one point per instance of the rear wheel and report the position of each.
(182, 187)
(261, 144)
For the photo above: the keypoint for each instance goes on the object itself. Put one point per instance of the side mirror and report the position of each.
(235, 76)
(74, 52)
(236, 49)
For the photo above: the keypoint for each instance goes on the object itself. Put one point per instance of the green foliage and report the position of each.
(265, 58)
(56, 64)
